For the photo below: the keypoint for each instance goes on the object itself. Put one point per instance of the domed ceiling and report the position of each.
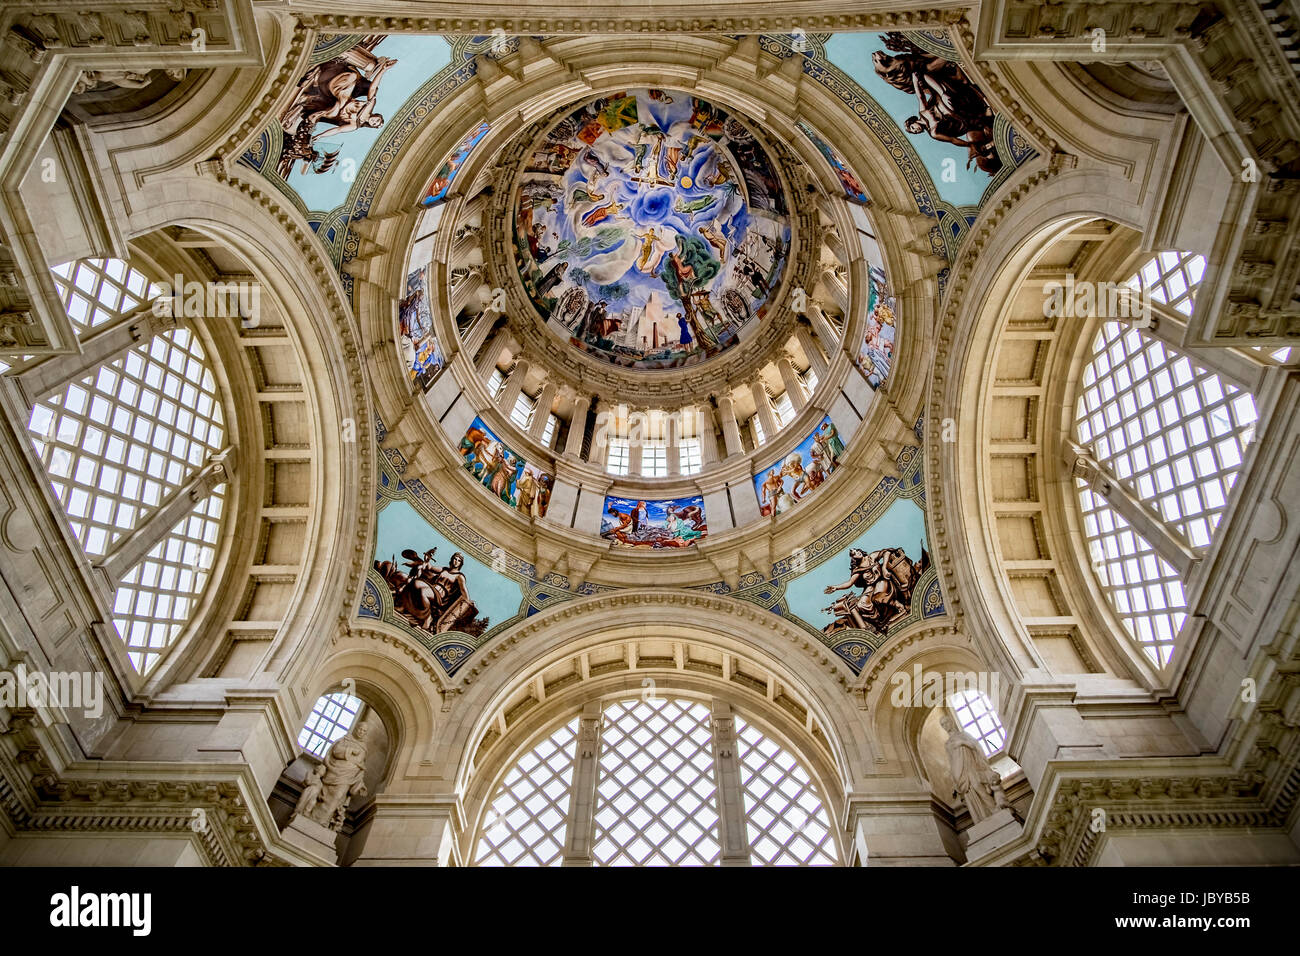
(650, 229)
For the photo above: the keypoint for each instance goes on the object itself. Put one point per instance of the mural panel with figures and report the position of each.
(942, 112)
(869, 585)
(639, 523)
(446, 174)
(651, 228)
(341, 105)
(785, 483)
(850, 183)
(505, 473)
(875, 355)
(420, 352)
(436, 586)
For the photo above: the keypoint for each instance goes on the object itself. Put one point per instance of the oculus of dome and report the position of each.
(650, 229)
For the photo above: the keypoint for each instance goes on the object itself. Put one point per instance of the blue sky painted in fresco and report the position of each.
(418, 58)
(901, 526)
(851, 52)
(400, 526)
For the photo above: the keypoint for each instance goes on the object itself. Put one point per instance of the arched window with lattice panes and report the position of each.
(133, 448)
(654, 794)
(1165, 437)
(95, 292)
(331, 717)
(525, 822)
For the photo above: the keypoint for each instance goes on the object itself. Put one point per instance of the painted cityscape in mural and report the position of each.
(505, 473)
(640, 523)
(875, 355)
(785, 483)
(446, 174)
(420, 352)
(651, 228)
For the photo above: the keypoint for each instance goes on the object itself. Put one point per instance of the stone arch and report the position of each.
(337, 426)
(569, 702)
(536, 673)
(990, 273)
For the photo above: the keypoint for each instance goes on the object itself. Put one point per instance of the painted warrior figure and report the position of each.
(340, 93)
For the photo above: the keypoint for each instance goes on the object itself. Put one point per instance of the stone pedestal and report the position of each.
(411, 830)
(991, 833)
(897, 829)
(312, 838)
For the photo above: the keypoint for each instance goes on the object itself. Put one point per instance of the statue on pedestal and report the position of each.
(976, 783)
(311, 789)
(332, 785)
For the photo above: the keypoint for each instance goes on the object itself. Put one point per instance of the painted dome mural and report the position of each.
(651, 229)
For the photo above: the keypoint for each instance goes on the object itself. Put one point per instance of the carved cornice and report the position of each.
(214, 808)
(416, 652)
(932, 18)
(1070, 837)
(284, 80)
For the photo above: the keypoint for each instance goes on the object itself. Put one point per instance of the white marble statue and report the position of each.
(334, 783)
(975, 781)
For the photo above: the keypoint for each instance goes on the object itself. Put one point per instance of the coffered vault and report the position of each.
(503, 434)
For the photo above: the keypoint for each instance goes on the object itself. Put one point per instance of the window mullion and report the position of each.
(732, 831)
(1170, 327)
(580, 827)
(1169, 544)
(131, 548)
(97, 349)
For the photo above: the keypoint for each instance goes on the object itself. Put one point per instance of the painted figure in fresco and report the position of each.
(774, 499)
(829, 437)
(647, 206)
(950, 108)
(504, 478)
(624, 529)
(654, 524)
(474, 448)
(693, 514)
(816, 470)
(713, 235)
(432, 597)
(545, 485)
(653, 247)
(875, 356)
(678, 527)
(526, 493)
(887, 578)
(340, 93)
(493, 462)
(551, 279)
(793, 469)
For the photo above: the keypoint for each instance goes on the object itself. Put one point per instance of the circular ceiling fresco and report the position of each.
(650, 229)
